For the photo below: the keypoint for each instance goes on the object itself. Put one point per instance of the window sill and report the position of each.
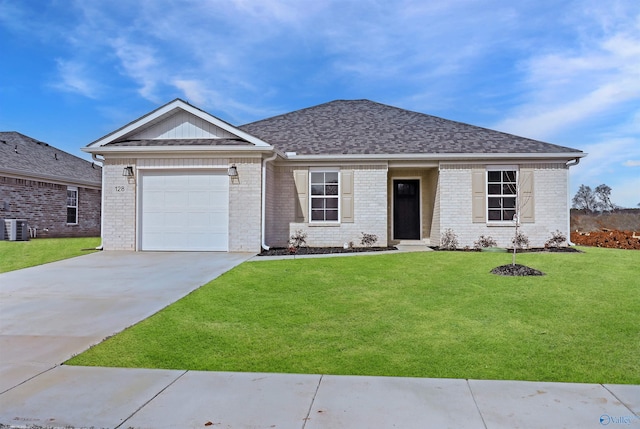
(322, 224)
(72, 224)
(501, 224)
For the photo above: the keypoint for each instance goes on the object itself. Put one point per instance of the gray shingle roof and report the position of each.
(20, 154)
(357, 127)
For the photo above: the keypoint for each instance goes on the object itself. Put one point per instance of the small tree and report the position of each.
(585, 199)
(519, 238)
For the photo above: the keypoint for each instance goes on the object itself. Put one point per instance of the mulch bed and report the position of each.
(549, 250)
(282, 251)
(516, 270)
(530, 250)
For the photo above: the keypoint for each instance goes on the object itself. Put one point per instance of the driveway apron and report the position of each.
(51, 312)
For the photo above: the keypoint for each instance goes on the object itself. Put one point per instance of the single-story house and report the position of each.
(179, 178)
(57, 193)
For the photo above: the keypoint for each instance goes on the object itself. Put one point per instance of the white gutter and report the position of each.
(264, 199)
(432, 156)
(95, 158)
(570, 164)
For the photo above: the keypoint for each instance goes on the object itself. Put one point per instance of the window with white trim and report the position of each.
(501, 195)
(325, 196)
(72, 205)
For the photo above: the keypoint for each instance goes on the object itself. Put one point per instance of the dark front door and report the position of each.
(406, 209)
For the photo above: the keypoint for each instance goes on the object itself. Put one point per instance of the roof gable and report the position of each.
(24, 156)
(363, 127)
(181, 124)
(175, 121)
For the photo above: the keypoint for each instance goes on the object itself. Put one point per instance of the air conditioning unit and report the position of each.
(16, 229)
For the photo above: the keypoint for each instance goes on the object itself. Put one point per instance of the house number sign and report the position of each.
(119, 188)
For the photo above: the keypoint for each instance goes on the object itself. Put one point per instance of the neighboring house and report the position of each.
(56, 192)
(335, 171)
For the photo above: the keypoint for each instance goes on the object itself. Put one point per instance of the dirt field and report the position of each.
(618, 230)
(612, 239)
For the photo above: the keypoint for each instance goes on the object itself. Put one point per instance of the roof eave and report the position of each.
(66, 181)
(437, 156)
(150, 150)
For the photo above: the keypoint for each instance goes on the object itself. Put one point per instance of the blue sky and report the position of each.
(565, 72)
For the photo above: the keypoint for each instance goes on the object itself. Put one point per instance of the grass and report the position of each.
(15, 255)
(437, 314)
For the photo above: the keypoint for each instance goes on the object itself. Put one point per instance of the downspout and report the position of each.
(569, 165)
(264, 199)
(101, 161)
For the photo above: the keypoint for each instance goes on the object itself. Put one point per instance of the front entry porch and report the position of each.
(411, 198)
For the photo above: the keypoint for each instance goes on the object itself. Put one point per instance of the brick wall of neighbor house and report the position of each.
(44, 205)
(245, 206)
(550, 197)
(370, 210)
(119, 231)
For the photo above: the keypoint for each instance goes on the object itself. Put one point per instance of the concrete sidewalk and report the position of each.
(84, 397)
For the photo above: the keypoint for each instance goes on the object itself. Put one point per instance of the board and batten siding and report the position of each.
(183, 125)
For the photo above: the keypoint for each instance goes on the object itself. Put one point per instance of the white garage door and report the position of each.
(186, 211)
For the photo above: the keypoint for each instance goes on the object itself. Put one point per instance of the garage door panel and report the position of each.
(184, 211)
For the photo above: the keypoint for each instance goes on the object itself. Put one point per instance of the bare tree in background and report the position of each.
(603, 193)
(585, 199)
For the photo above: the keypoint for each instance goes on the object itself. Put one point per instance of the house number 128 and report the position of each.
(119, 188)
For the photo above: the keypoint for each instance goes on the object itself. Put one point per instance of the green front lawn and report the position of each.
(436, 314)
(15, 255)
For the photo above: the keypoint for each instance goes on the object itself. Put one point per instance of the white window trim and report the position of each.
(75, 189)
(338, 197)
(487, 196)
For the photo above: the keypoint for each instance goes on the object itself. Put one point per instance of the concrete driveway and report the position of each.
(51, 312)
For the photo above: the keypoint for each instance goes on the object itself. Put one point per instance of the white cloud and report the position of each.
(571, 85)
(75, 78)
(632, 163)
(139, 62)
(198, 93)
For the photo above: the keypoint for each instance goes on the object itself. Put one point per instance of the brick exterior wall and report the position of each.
(446, 203)
(245, 202)
(454, 197)
(119, 229)
(370, 210)
(245, 206)
(44, 206)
